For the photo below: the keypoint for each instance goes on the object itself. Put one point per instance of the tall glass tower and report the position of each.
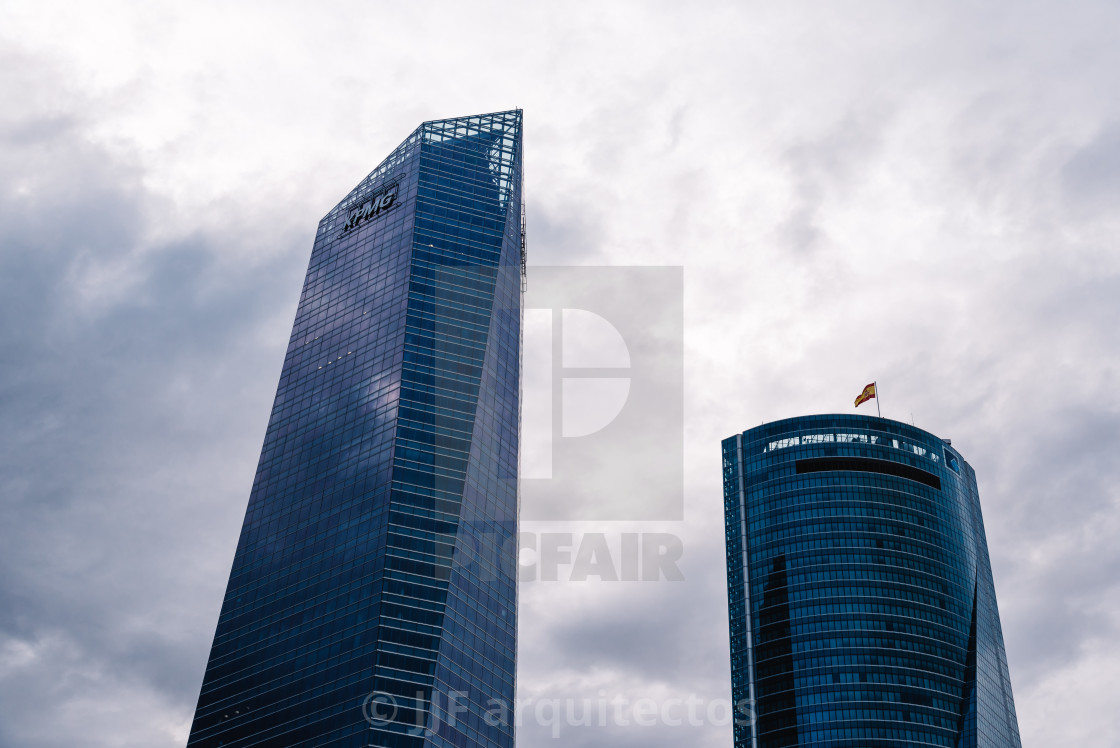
(372, 599)
(863, 612)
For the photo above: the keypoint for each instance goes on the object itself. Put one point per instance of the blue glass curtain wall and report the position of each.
(378, 549)
(861, 602)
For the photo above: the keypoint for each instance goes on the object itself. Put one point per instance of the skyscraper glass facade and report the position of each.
(861, 601)
(372, 599)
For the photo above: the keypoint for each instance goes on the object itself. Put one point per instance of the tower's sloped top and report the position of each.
(498, 132)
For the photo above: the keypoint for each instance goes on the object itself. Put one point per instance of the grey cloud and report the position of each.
(629, 626)
(564, 233)
(1093, 172)
(827, 168)
(139, 348)
(125, 434)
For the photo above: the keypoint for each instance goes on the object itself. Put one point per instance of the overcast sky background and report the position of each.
(921, 194)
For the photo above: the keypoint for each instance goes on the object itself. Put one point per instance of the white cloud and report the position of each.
(917, 194)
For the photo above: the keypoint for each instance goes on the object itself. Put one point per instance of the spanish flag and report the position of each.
(867, 394)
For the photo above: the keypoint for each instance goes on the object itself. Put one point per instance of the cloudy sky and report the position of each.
(921, 194)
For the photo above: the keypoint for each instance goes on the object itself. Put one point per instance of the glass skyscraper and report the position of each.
(372, 599)
(862, 608)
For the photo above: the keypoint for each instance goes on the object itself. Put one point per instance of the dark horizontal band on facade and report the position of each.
(868, 465)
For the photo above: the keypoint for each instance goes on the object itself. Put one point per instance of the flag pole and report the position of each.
(878, 407)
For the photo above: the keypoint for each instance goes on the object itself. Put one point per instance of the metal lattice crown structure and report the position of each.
(497, 133)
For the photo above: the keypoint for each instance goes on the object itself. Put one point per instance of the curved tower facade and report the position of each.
(861, 601)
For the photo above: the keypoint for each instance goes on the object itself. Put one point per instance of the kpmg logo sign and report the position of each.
(372, 207)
